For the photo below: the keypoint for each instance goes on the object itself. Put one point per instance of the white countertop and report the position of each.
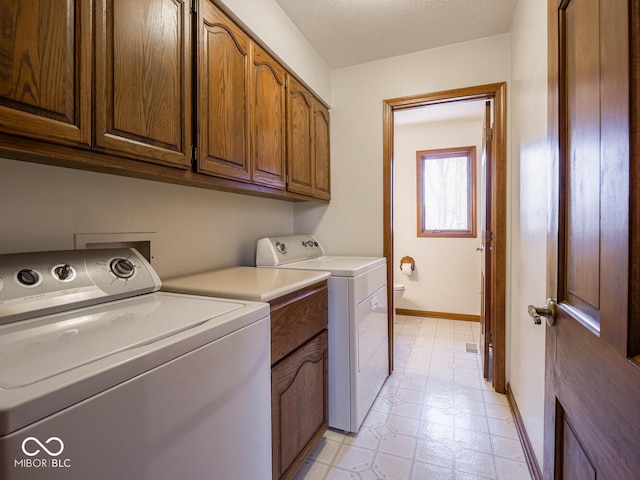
(246, 283)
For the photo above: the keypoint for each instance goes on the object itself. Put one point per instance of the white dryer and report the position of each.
(358, 325)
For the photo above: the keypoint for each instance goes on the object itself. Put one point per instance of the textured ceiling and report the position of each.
(350, 32)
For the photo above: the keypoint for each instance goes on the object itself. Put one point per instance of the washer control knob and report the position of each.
(281, 247)
(28, 277)
(122, 268)
(63, 272)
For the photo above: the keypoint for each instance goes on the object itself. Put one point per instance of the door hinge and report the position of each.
(488, 236)
(490, 338)
(194, 6)
(488, 133)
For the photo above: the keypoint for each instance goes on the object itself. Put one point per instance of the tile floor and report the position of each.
(435, 418)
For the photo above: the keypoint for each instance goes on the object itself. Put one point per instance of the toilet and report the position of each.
(398, 291)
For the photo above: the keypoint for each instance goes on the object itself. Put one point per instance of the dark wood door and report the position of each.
(592, 399)
(223, 95)
(299, 138)
(267, 120)
(486, 247)
(45, 70)
(143, 80)
(321, 156)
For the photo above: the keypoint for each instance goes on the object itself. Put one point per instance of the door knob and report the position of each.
(548, 311)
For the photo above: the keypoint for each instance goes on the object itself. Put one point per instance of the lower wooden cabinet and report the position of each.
(299, 405)
(299, 376)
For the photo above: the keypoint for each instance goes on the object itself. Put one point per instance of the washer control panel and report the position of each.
(34, 284)
(274, 251)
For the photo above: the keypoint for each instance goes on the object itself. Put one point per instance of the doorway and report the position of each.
(495, 238)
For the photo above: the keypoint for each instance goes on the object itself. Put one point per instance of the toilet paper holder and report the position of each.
(408, 259)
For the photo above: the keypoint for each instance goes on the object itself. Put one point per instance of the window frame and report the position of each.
(470, 153)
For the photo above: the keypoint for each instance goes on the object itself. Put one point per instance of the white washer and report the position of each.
(152, 386)
(358, 324)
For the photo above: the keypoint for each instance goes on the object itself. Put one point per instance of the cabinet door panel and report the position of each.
(299, 138)
(143, 80)
(321, 160)
(45, 70)
(299, 405)
(223, 65)
(267, 119)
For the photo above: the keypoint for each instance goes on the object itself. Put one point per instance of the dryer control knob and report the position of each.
(281, 247)
(122, 268)
(63, 272)
(28, 277)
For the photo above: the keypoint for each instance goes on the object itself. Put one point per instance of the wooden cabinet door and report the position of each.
(143, 80)
(300, 115)
(45, 70)
(267, 119)
(592, 407)
(223, 95)
(299, 405)
(321, 158)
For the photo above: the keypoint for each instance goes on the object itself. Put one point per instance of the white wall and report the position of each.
(352, 222)
(43, 207)
(197, 229)
(529, 177)
(447, 274)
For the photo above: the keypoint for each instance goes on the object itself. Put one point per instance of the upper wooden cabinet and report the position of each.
(45, 70)
(307, 142)
(299, 137)
(143, 80)
(321, 156)
(142, 76)
(157, 89)
(267, 119)
(223, 95)
(241, 104)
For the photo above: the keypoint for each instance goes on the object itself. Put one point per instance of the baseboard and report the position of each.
(447, 316)
(529, 455)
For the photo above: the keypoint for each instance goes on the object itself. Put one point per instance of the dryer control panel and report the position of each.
(274, 251)
(34, 284)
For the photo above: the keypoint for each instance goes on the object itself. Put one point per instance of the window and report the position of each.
(446, 192)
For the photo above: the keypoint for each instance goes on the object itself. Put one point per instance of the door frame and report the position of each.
(498, 93)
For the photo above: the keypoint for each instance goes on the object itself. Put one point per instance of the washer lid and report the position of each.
(52, 362)
(339, 266)
(33, 350)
